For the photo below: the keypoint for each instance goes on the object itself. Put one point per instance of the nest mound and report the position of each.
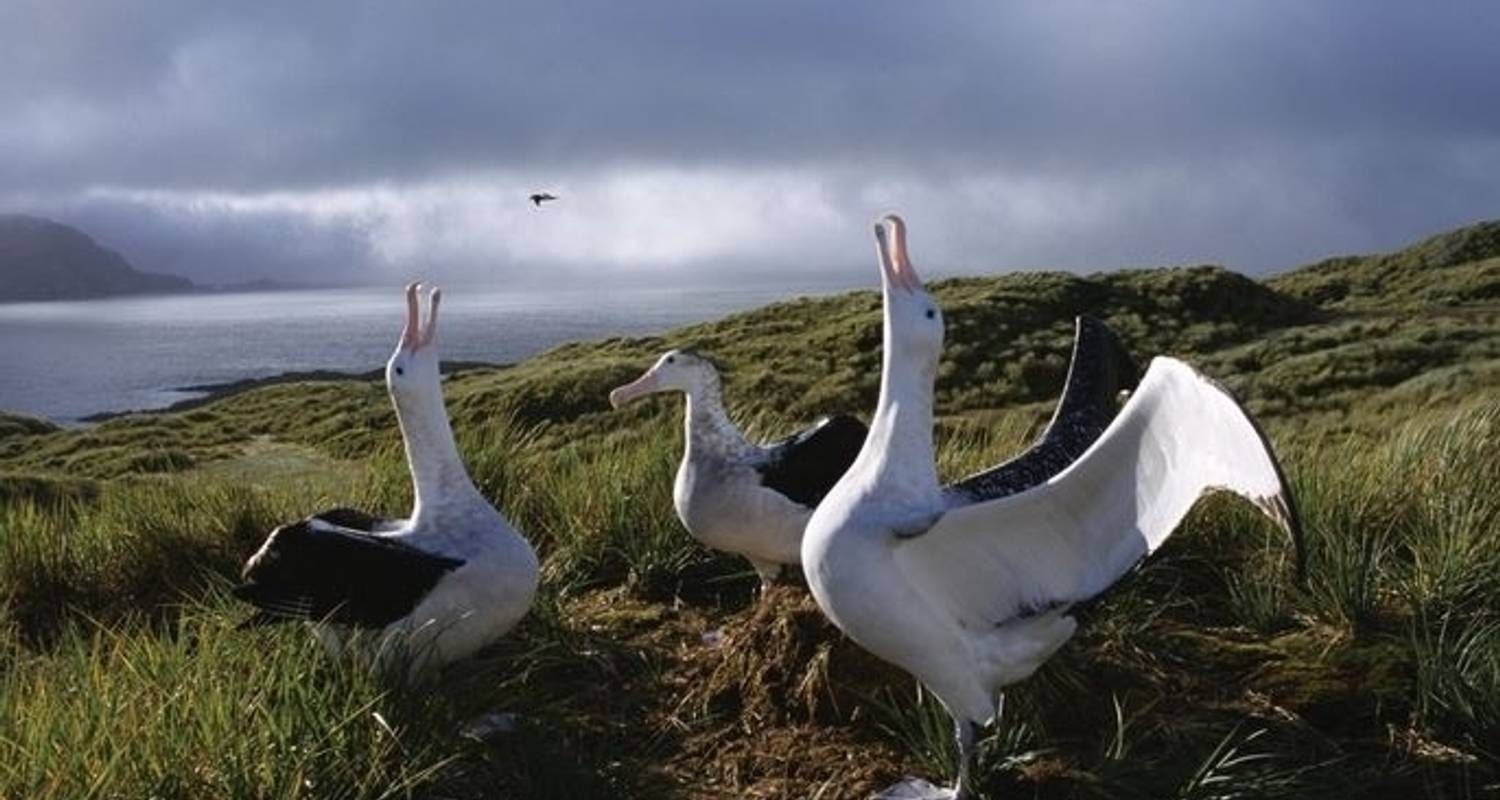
(784, 662)
(780, 762)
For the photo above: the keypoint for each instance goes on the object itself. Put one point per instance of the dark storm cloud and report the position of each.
(1087, 134)
(215, 246)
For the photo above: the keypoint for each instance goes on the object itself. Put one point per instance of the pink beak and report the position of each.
(413, 329)
(895, 265)
(644, 385)
(413, 336)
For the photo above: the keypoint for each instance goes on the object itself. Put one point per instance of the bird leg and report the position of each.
(918, 789)
(966, 732)
(768, 571)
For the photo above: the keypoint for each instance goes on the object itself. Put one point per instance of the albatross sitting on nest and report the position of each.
(436, 587)
(968, 587)
(732, 494)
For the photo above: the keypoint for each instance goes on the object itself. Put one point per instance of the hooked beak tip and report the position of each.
(644, 385)
(622, 395)
(895, 263)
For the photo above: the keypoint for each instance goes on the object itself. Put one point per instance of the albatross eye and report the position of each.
(931, 313)
(400, 371)
(671, 359)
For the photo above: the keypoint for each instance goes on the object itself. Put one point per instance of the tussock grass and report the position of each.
(206, 712)
(113, 607)
(137, 548)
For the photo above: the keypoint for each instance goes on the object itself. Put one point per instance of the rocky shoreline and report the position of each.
(211, 392)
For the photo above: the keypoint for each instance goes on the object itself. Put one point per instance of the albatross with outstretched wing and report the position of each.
(968, 588)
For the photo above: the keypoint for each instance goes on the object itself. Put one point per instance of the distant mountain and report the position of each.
(45, 260)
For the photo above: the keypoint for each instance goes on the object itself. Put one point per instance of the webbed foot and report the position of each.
(490, 726)
(916, 789)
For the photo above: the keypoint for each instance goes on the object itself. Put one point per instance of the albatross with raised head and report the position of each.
(437, 586)
(969, 587)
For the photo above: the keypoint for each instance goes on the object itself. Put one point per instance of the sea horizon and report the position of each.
(68, 360)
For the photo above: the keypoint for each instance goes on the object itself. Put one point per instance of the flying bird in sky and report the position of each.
(542, 197)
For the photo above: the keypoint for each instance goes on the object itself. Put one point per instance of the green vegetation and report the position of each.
(22, 425)
(1451, 269)
(1207, 673)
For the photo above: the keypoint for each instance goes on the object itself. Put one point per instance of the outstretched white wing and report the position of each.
(1180, 436)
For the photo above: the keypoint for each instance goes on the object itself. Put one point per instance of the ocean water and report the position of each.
(66, 360)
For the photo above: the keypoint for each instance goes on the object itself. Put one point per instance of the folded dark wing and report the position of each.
(318, 569)
(803, 467)
(1101, 368)
(354, 519)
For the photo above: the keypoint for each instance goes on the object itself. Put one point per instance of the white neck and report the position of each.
(707, 428)
(898, 456)
(438, 476)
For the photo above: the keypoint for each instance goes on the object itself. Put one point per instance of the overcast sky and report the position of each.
(333, 142)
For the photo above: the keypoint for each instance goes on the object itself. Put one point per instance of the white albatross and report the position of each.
(970, 593)
(436, 587)
(732, 494)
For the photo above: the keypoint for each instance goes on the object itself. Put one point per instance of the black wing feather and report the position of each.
(806, 465)
(321, 569)
(351, 518)
(1100, 370)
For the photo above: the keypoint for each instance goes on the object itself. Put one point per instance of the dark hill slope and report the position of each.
(1451, 269)
(45, 260)
(1008, 341)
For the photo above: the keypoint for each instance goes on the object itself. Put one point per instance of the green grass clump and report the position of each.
(206, 712)
(13, 426)
(1450, 269)
(136, 548)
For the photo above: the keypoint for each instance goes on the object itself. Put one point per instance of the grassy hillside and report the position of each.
(1205, 674)
(1451, 269)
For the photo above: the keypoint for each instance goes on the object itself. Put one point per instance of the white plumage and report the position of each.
(732, 494)
(433, 588)
(971, 594)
